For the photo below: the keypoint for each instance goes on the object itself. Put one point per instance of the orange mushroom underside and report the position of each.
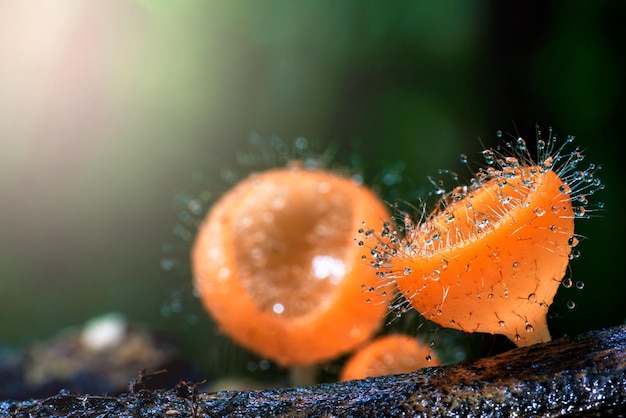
(492, 260)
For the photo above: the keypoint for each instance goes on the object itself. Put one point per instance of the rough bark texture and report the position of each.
(576, 376)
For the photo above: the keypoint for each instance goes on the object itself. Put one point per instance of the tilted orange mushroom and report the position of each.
(390, 354)
(492, 255)
(276, 265)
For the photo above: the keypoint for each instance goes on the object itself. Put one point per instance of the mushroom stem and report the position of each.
(303, 376)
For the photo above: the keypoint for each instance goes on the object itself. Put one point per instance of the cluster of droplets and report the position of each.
(506, 161)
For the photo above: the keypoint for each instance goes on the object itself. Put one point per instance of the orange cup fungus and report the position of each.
(275, 264)
(391, 354)
(491, 256)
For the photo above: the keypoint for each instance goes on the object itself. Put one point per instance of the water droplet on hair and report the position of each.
(489, 157)
(579, 211)
(571, 304)
(541, 145)
(521, 144)
(540, 211)
(428, 358)
(565, 189)
(463, 158)
(501, 323)
(515, 265)
(529, 328)
(407, 271)
(512, 162)
(580, 285)
(167, 263)
(574, 254)
(567, 282)
(499, 134)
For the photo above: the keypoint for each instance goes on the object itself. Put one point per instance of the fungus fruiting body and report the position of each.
(275, 264)
(390, 354)
(493, 253)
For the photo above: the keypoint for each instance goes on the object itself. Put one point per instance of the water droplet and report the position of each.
(360, 243)
(565, 189)
(167, 263)
(515, 265)
(571, 304)
(463, 158)
(439, 312)
(575, 254)
(499, 134)
(501, 323)
(521, 144)
(434, 275)
(541, 145)
(428, 358)
(444, 264)
(540, 211)
(489, 156)
(572, 242)
(407, 271)
(567, 282)
(529, 328)
(512, 162)
(495, 255)
(278, 308)
(195, 207)
(579, 211)
(580, 285)
(301, 143)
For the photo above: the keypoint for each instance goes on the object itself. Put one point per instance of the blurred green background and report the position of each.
(107, 108)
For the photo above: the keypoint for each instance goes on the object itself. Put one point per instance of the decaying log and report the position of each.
(576, 376)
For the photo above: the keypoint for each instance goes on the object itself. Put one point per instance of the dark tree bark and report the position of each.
(576, 376)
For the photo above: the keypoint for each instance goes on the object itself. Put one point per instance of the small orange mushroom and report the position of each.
(276, 265)
(491, 257)
(390, 354)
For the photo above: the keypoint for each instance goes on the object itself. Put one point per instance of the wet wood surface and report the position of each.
(576, 376)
